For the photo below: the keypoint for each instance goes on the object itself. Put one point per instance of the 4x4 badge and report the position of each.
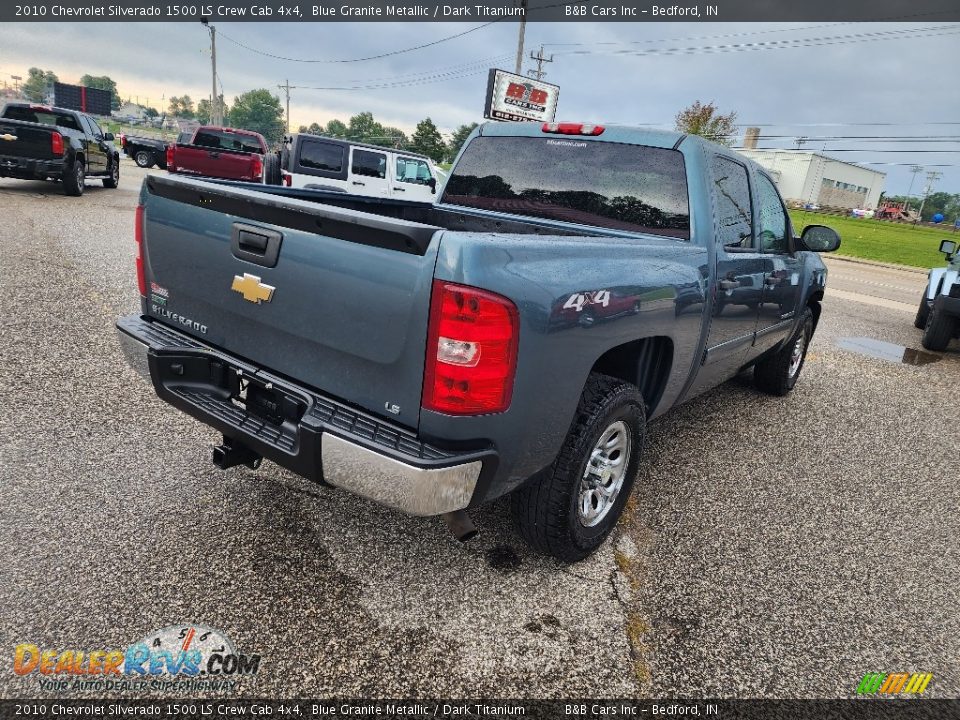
(252, 289)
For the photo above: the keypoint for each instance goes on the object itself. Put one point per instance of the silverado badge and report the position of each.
(252, 289)
(8, 136)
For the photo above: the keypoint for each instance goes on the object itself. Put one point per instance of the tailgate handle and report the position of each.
(255, 244)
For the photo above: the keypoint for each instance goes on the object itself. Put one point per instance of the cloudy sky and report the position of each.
(815, 80)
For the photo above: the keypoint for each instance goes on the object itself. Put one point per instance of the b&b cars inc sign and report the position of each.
(515, 97)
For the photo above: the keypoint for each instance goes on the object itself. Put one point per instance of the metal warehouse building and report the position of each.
(809, 177)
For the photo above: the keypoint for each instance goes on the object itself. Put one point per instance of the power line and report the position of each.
(423, 80)
(361, 59)
(850, 38)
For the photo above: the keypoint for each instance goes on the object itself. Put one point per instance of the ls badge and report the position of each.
(252, 289)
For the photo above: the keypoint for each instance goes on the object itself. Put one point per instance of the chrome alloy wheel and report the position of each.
(604, 475)
(796, 357)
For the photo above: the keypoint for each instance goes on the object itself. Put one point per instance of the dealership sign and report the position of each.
(515, 97)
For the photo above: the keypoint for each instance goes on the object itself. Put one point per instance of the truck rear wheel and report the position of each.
(74, 178)
(778, 373)
(920, 321)
(568, 510)
(144, 158)
(939, 330)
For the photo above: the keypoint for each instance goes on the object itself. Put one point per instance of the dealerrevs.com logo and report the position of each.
(180, 657)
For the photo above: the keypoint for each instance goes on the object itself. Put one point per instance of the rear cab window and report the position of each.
(633, 188)
(39, 115)
(226, 140)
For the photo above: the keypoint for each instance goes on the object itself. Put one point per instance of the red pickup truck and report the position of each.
(227, 153)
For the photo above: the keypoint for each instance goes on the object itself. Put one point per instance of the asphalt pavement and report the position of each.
(778, 547)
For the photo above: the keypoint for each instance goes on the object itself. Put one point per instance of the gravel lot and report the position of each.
(778, 547)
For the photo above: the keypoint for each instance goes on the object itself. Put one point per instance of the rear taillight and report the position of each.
(568, 128)
(471, 351)
(56, 143)
(170, 153)
(138, 235)
(287, 178)
(256, 167)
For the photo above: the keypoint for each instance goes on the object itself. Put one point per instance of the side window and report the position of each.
(87, 125)
(772, 225)
(96, 128)
(369, 164)
(732, 187)
(411, 170)
(321, 156)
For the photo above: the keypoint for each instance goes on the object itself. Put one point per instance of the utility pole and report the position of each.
(541, 59)
(286, 88)
(915, 169)
(216, 117)
(523, 29)
(932, 177)
(16, 82)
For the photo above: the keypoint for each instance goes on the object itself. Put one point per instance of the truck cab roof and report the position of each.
(611, 133)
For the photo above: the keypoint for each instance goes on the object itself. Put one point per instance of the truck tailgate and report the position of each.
(28, 140)
(213, 162)
(332, 298)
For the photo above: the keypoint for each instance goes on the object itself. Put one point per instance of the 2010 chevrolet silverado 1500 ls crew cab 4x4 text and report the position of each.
(571, 283)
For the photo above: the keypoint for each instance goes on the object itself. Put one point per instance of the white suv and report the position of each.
(939, 313)
(322, 163)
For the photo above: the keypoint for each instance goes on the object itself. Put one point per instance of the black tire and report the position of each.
(920, 321)
(939, 329)
(73, 179)
(114, 180)
(144, 159)
(778, 373)
(547, 510)
(271, 169)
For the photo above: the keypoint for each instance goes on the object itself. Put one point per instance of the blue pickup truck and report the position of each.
(571, 283)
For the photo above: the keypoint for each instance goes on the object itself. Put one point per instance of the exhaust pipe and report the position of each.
(461, 525)
(232, 453)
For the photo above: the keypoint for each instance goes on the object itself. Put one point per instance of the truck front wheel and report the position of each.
(568, 510)
(778, 373)
(939, 330)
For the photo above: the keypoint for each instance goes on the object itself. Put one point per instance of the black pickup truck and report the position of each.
(39, 142)
(145, 152)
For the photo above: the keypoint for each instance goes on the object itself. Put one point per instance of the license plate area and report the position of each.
(267, 402)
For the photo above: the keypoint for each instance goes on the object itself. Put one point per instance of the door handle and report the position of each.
(399, 189)
(728, 284)
(213, 154)
(772, 280)
(357, 182)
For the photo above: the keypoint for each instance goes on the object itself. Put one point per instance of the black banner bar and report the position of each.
(478, 11)
(873, 708)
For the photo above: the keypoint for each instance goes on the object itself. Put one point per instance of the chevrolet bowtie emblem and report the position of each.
(8, 136)
(252, 289)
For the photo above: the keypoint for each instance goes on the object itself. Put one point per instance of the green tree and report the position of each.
(260, 111)
(941, 202)
(707, 122)
(460, 136)
(103, 82)
(38, 82)
(363, 128)
(395, 138)
(150, 112)
(312, 129)
(182, 107)
(336, 128)
(203, 110)
(428, 141)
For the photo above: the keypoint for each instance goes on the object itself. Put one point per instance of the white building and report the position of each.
(809, 177)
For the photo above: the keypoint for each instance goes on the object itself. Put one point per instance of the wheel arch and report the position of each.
(813, 302)
(645, 362)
